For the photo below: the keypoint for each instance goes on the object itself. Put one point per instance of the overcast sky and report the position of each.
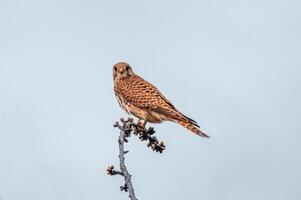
(233, 66)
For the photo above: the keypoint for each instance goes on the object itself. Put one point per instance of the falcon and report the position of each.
(143, 100)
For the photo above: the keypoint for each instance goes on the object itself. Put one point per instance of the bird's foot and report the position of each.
(141, 125)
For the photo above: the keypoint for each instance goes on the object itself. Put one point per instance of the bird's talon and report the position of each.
(141, 125)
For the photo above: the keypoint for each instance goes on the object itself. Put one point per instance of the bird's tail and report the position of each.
(192, 127)
(176, 116)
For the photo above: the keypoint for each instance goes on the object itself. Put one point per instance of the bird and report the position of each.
(143, 100)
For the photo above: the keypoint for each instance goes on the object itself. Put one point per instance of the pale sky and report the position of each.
(233, 66)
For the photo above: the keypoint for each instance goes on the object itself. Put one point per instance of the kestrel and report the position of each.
(143, 100)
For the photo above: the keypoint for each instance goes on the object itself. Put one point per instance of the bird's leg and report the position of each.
(144, 123)
(141, 124)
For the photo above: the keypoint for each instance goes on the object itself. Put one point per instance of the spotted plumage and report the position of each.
(143, 100)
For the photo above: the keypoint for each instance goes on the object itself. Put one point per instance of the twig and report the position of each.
(126, 129)
(126, 175)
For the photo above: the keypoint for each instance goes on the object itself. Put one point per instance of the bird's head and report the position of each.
(122, 70)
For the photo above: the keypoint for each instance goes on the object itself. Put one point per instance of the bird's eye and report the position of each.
(115, 69)
(127, 68)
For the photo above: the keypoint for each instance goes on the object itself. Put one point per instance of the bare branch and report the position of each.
(143, 134)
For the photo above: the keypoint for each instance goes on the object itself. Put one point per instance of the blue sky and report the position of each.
(232, 66)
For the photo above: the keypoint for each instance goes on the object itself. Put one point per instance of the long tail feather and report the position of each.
(174, 115)
(191, 126)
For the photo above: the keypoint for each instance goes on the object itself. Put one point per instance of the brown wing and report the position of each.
(141, 93)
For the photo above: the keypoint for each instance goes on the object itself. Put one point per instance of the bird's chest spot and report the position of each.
(125, 105)
(134, 110)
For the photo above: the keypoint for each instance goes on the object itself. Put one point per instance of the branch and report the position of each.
(143, 134)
